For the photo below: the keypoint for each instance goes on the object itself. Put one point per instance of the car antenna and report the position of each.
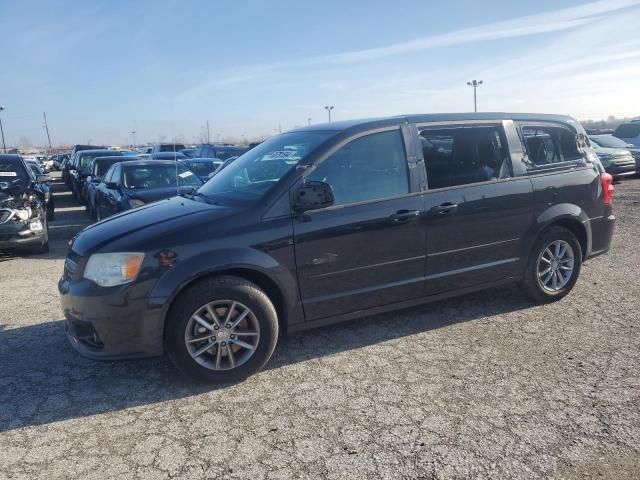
(175, 157)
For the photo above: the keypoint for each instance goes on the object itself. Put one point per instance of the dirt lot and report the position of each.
(486, 386)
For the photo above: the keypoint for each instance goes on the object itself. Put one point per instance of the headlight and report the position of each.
(24, 213)
(111, 269)
(35, 225)
(135, 202)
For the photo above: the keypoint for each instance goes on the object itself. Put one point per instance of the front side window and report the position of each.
(547, 145)
(463, 155)
(368, 168)
(252, 176)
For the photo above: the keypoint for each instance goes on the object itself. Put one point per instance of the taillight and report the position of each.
(607, 188)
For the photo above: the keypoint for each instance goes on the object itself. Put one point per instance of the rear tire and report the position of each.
(215, 364)
(553, 266)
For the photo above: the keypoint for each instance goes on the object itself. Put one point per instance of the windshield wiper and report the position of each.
(201, 195)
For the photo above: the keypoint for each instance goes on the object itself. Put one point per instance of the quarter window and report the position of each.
(368, 168)
(547, 145)
(464, 155)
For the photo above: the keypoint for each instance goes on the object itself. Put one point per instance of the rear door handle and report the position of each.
(444, 209)
(404, 215)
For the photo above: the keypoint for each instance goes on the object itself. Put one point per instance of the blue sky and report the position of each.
(103, 68)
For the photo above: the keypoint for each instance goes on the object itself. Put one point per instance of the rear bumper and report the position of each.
(601, 234)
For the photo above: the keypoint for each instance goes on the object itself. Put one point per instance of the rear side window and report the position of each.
(547, 145)
(368, 168)
(463, 155)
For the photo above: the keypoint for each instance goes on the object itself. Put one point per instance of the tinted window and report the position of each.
(102, 166)
(12, 169)
(628, 130)
(158, 176)
(108, 175)
(547, 145)
(252, 176)
(203, 169)
(227, 152)
(171, 147)
(368, 168)
(463, 155)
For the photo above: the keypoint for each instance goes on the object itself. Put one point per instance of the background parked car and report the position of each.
(202, 167)
(189, 152)
(131, 184)
(23, 215)
(629, 132)
(99, 166)
(610, 141)
(175, 156)
(618, 162)
(221, 152)
(167, 147)
(80, 168)
(42, 186)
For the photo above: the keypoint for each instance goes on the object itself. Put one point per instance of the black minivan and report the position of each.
(334, 222)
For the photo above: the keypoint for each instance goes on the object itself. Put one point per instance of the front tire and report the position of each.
(222, 329)
(553, 266)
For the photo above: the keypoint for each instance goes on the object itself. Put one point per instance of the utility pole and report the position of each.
(475, 84)
(208, 132)
(309, 120)
(2, 131)
(46, 127)
(133, 134)
(328, 108)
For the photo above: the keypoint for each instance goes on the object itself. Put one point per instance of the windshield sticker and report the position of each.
(8, 174)
(185, 174)
(282, 155)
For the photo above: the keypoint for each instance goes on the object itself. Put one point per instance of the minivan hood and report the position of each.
(171, 213)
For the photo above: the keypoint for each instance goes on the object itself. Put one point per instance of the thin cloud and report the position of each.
(546, 22)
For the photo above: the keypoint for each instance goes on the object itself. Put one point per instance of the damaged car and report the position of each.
(23, 215)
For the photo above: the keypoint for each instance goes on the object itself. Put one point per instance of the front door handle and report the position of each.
(404, 215)
(444, 209)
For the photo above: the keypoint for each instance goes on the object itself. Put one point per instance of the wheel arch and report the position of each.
(568, 216)
(271, 287)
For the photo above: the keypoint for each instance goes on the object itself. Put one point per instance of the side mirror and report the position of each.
(43, 178)
(313, 195)
(112, 185)
(96, 179)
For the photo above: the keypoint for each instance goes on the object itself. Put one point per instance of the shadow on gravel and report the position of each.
(42, 380)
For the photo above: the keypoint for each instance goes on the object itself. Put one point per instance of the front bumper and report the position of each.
(621, 170)
(110, 323)
(11, 236)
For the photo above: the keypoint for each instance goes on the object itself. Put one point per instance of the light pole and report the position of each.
(328, 108)
(475, 84)
(133, 134)
(309, 121)
(4, 147)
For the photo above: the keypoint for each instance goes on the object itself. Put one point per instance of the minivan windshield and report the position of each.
(251, 176)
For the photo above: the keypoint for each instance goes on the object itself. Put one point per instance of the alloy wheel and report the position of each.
(222, 335)
(555, 266)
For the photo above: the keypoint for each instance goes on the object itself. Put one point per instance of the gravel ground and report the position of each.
(485, 386)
